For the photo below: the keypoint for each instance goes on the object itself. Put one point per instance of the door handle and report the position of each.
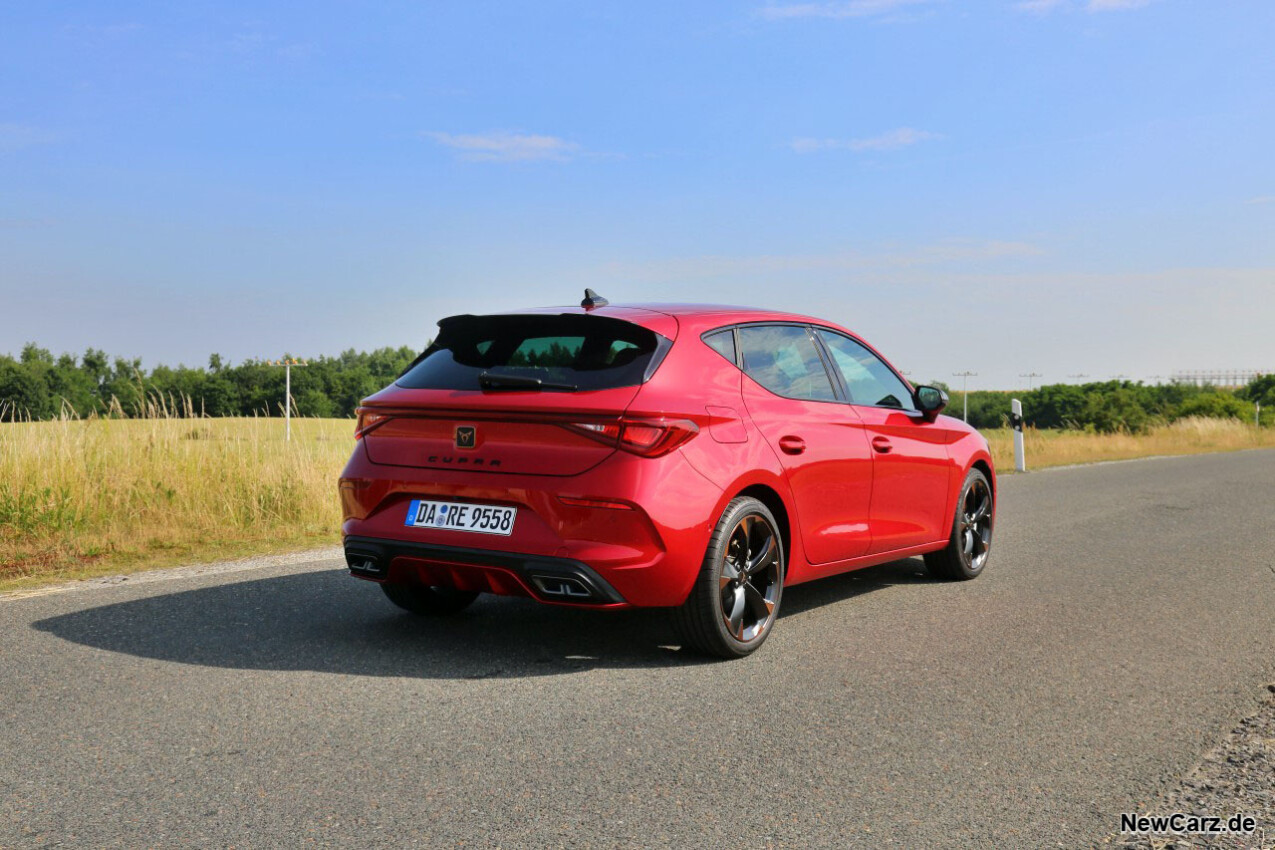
(792, 445)
(882, 445)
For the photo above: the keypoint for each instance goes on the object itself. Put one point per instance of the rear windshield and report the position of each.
(572, 352)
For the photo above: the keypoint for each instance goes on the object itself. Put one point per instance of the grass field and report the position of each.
(79, 498)
(82, 498)
(1193, 435)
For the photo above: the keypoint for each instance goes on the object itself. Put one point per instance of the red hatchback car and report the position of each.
(689, 456)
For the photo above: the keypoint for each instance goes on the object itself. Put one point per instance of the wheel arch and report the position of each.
(984, 465)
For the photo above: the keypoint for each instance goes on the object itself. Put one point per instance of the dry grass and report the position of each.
(1194, 435)
(96, 496)
(83, 497)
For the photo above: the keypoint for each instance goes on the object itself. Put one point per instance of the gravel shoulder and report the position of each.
(237, 565)
(1236, 777)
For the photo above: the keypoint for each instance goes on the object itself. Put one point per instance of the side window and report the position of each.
(868, 379)
(723, 342)
(784, 360)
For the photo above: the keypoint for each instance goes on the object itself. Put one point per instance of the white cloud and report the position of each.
(1042, 7)
(844, 9)
(1261, 199)
(1115, 5)
(893, 140)
(504, 146)
(14, 137)
(938, 254)
(1038, 6)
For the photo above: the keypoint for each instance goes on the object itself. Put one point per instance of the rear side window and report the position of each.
(868, 380)
(784, 360)
(723, 342)
(572, 352)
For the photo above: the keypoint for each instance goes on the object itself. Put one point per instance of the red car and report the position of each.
(689, 456)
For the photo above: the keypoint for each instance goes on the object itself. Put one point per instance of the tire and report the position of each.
(970, 543)
(729, 612)
(428, 601)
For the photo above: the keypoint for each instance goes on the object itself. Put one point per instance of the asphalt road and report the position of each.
(1125, 622)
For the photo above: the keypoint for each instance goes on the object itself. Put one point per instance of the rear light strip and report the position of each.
(645, 437)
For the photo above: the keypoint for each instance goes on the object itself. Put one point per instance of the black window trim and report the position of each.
(840, 378)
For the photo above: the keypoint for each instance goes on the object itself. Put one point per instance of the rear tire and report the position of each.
(735, 599)
(429, 601)
(971, 540)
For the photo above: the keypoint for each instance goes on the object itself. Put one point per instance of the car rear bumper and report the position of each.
(644, 538)
(548, 579)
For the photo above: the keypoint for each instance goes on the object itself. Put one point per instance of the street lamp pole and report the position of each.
(965, 396)
(287, 364)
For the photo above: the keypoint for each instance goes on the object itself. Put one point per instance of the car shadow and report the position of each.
(327, 622)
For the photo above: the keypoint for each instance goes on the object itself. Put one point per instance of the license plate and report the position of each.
(452, 516)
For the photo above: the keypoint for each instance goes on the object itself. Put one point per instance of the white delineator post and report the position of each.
(1016, 422)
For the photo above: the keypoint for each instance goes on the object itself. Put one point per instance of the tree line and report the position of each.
(1114, 406)
(38, 385)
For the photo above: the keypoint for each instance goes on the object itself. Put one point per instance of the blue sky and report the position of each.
(1059, 186)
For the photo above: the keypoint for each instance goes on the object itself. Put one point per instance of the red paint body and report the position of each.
(852, 485)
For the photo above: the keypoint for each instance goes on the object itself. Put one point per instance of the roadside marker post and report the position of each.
(1016, 422)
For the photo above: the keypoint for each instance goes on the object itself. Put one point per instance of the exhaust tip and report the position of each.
(366, 562)
(562, 587)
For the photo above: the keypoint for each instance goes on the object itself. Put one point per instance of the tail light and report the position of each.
(369, 420)
(645, 437)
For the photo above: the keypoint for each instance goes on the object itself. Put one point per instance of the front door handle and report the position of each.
(882, 445)
(792, 445)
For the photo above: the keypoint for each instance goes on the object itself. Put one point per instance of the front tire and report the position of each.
(429, 601)
(971, 541)
(735, 600)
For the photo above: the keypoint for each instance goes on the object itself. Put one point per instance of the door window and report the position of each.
(784, 360)
(868, 380)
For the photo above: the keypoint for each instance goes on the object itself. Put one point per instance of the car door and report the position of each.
(791, 398)
(911, 476)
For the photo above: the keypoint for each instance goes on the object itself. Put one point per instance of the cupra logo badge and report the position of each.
(466, 437)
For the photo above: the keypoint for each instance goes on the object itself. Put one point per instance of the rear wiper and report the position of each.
(488, 381)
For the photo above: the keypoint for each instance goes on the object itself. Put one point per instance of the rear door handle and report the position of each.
(792, 445)
(882, 445)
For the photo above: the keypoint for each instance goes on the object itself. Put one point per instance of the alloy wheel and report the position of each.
(976, 525)
(750, 579)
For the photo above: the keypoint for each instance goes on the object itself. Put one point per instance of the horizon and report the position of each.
(1215, 378)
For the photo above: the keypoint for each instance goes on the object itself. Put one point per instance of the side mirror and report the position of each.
(931, 400)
